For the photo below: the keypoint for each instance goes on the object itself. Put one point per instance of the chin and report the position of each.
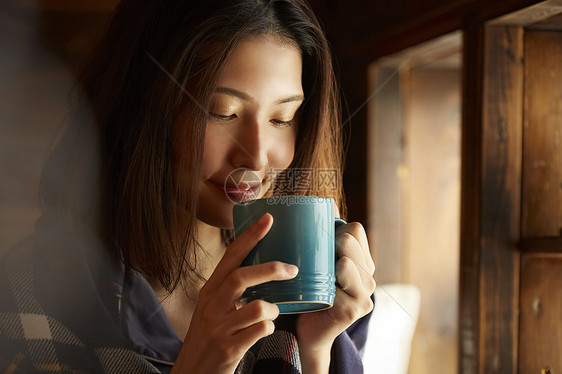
(217, 218)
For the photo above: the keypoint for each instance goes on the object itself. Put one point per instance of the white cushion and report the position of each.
(391, 329)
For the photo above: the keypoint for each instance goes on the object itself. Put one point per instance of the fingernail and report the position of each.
(291, 269)
(262, 220)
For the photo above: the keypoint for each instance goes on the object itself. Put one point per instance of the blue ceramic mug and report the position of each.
(302, 234)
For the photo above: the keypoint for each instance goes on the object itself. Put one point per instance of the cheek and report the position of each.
(213, 151)
(284, 151)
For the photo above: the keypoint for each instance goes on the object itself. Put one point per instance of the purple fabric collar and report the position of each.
(144, 321)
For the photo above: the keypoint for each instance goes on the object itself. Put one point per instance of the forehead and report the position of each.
(264, 66)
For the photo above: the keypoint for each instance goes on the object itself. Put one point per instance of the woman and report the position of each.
(132, 267)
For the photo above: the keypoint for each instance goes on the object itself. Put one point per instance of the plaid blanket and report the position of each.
(67, 307)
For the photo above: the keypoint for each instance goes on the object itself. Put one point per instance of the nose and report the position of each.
(251, 146)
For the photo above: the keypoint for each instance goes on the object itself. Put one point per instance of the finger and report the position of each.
(239, 249)
(351, 241)
(250, 314)
(235, 346)
(356, 230)
(248, 276)
(352, 280)
(349, 309)
(348, 247)
(247, 337)
(367, 280)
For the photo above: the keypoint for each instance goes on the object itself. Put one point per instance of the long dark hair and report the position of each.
(160, 57)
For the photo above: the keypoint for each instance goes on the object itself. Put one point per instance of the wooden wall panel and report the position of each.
(471, 196)
(541, 310)
(542, 155)
(500, 209)
(490, 199)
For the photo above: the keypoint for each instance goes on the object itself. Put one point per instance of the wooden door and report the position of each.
(540, 329)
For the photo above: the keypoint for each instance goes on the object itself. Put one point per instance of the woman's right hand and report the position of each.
(221, 331)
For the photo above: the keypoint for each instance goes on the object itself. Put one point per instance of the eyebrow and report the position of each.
(244, 96)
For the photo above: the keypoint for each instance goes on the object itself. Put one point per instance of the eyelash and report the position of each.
(279, 123)
(222, 118)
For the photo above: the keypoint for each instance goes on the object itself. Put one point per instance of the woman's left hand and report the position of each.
(355, 268)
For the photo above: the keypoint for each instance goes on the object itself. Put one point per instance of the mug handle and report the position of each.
(339, 222)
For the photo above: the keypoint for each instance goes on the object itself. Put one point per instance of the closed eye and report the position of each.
(222, 118)
(279, 123)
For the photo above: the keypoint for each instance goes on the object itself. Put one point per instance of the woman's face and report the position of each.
(251, 126)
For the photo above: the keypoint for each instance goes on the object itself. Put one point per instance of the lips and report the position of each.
(240, 192)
